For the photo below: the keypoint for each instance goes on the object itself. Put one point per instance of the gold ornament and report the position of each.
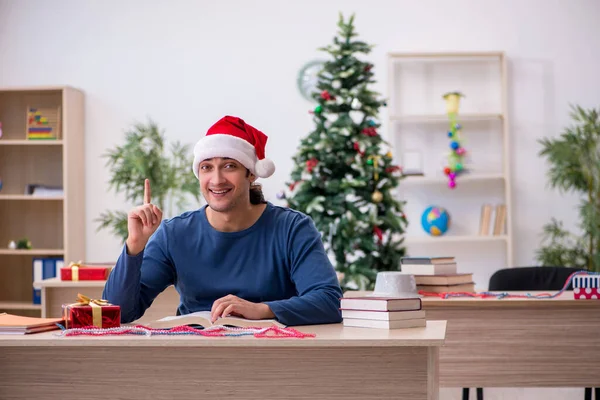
(377, 196)
(375, 161)
(389, 154)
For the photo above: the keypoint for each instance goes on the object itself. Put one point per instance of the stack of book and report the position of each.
(382, 312)
(437, 274)
(18, 325)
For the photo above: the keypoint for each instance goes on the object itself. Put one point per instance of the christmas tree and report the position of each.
(344, 177)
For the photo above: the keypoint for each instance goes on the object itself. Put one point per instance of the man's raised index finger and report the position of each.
(147, 191)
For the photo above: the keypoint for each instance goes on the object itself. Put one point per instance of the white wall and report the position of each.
(187, 63)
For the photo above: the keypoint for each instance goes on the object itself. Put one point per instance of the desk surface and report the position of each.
(565, 299)
(330, 335)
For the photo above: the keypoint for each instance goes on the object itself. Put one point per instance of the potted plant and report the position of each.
(144, 156)
(574, 160)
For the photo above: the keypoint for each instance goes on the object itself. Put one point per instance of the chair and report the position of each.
(532, 279)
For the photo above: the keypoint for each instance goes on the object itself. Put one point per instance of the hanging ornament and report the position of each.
(360, 150)
(389, 154)
(326, 96)
(368, 67)
(374, 161)
(457, 151)
(371, 122)
(281, 195)
(318, 109)
(336, 84)
(311, 164)
(377, 196)
(378, 232)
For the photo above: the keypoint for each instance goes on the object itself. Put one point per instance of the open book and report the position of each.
(203, 318)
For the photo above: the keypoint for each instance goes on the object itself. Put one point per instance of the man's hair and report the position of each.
(256, 194)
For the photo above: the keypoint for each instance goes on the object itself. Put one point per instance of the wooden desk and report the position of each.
(339, 363)
(518, 342)
(490, 342)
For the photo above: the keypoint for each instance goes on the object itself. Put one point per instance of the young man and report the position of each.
(239, 255)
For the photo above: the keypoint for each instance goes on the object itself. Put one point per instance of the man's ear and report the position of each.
(252, 178)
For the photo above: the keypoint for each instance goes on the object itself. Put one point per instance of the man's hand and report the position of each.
(142, 222)
(233, 305)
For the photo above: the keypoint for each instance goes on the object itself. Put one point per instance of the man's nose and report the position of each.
(218, 176)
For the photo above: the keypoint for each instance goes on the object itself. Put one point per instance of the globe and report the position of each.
(435, 220)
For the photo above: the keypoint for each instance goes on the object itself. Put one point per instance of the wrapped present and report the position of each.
(586, 287)
(91, 312)
(85, 272)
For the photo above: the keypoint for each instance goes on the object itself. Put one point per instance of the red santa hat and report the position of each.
(232, 137)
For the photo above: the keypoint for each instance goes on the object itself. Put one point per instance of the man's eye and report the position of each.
(230, 166)
(204, 167)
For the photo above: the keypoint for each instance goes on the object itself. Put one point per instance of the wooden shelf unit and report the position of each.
(418, 123)
(54, 225)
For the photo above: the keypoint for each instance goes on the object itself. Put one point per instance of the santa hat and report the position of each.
(232, 137)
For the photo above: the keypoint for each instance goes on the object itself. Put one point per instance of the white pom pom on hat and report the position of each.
(233, 138)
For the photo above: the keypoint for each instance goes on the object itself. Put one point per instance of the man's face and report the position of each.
(224, 183)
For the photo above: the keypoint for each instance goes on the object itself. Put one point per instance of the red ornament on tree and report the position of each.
(369, 131)
(378, 232)
(393, 168)
(310, 164)
(326, 96)
(447, 170)
(357, 148)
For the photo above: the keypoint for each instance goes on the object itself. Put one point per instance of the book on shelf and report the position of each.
(383, 315)
(383, 324)
(18, 325)
(486, 217)
(429, 269)
(427, 260)
(447, 279)
(202, 318)
(462, 287)
(500, 220)
(44, 268)
(374, 303)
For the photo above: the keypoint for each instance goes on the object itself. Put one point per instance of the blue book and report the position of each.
(44, 268)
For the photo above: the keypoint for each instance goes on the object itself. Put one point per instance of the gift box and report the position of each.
(91, 312)
(85, 272)
(586, 287)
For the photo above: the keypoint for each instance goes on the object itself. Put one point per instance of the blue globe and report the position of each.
(435, 220)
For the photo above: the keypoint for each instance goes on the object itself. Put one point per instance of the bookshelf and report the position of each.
(55, 225)
(418, 124)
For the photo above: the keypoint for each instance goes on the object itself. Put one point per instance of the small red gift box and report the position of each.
(90, 312)
(85, 272)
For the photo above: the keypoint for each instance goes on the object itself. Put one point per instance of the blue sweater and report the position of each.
(279, 261)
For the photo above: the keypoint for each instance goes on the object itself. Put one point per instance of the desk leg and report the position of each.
(433, 373)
